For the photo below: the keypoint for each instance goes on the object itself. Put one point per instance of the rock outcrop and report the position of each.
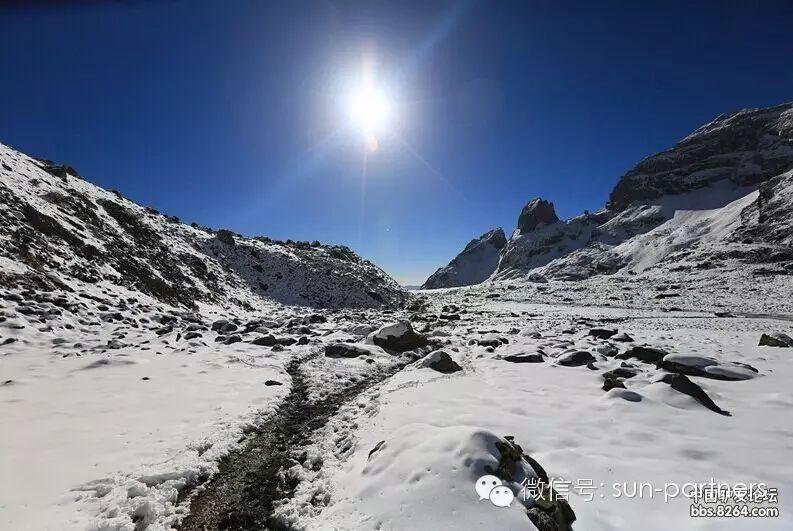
(744, 148)
(722, 198)
(537, 213)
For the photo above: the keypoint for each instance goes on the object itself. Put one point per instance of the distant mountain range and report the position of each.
(721, 198)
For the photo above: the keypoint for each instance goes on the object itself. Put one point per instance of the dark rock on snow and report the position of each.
(777, 339)
(682, 384)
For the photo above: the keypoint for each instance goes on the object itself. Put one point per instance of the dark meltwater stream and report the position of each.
(242, 495)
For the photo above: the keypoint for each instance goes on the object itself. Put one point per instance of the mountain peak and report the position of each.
(743, 148)
(537, 213)
(477, 261)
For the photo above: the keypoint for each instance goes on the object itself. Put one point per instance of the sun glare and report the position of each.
(371, 111)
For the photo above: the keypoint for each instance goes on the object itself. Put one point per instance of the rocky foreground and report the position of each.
(309, 418)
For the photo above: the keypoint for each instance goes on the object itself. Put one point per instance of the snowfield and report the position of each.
(156, 375)
(436, 428)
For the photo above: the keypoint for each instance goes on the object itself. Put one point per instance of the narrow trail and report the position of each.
(243, 494)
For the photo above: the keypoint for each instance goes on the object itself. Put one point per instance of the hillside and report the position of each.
(65, 233)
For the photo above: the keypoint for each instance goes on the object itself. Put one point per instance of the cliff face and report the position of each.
(744, 148)
(473, 265)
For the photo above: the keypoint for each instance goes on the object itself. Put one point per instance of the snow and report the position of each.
(436, 429)
(90, 428)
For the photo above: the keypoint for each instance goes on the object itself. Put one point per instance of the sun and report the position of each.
(371, 111)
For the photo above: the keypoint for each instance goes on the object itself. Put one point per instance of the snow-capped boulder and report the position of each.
(704, 366)
(397, 337)
(473, 265)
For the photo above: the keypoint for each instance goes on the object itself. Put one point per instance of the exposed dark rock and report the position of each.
(375, 449)
(537, 213)
(225, 236)
(345, 350)
(602, 333)
(525, 358)
(232, 339)
(265, 341)
(575, 359)
(682, 384)
(776, 339)
(742, 148)
(620, 372)
(645, 354)
(445, 364)
(611, 383)
(272, 382)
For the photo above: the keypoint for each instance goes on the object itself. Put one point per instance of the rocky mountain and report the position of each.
(473, 265)
(744, 148)
(62, 233)
(719, 199)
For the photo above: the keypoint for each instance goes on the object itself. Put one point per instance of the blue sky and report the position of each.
(233, 114)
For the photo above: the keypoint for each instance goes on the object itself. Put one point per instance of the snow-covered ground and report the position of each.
(438, 429)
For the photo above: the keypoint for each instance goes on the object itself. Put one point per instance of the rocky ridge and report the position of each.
(63, 233)
(721, 199)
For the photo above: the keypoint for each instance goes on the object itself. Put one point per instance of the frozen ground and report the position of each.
(437, 429)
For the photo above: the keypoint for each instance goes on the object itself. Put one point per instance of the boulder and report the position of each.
(441, 361)
(265, 341)
(645, 354)
(602, 333)
(397, 337)
(776, 339)
(346, 350)
(575, 359)
(490, 340)
(693, 365)
(620, 372)
(622, 337)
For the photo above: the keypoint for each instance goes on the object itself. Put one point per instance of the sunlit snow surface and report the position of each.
(436, 427)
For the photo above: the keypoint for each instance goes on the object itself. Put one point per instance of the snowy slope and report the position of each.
(473, 265)
(136, 351)
(64, 229)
